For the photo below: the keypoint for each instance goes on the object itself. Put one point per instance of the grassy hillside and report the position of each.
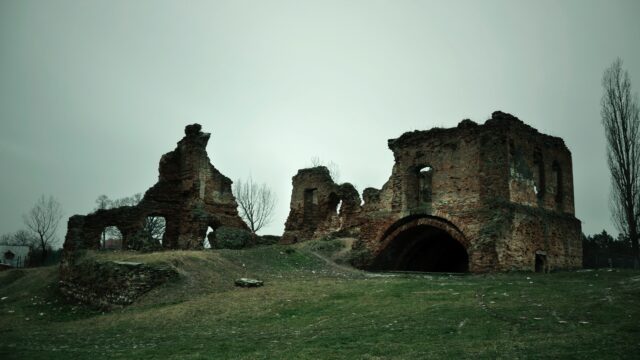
(312, 308)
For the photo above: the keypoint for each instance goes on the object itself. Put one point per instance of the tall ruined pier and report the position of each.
(191, 194)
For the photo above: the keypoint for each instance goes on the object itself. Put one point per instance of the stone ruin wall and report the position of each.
(191, 194)
(319, 206)
(501, 189)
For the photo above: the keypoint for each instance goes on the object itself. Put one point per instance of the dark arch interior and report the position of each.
(423, 248)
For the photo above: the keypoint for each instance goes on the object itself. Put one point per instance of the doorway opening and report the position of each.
(208, 237)
(541, 262)
(423, 248)
(111, 238)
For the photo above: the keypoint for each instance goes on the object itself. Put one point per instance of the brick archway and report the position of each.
(423, 243)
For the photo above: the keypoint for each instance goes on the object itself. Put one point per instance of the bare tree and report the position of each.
(154, 228)
(334, 170)
(127, 201)
(20, 237)
(256, 203)
(622, 129)
(6, 239)
(42, 221)
(25, 238)
(103, 202)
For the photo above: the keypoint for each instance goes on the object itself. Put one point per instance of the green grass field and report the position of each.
(310, 308)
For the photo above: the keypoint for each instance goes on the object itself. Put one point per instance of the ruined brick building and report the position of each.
(191, 194)
(490, 197)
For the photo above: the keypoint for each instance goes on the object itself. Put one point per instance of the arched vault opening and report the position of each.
(424, 244)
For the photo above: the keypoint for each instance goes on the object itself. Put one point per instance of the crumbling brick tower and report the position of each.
(320, 207)
(491, 197)
(191, 194)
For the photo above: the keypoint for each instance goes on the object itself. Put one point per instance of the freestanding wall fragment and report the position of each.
(191, 194)
(319, 206)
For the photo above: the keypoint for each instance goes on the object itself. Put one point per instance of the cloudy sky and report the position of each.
(92, 93)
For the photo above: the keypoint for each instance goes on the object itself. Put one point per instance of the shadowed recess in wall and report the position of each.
(423, 248)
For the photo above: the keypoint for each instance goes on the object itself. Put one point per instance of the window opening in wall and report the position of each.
(512, 157)
(311, 197)
(557, 179)
(153, 230)
(538, 174)
(206, 243)
(111, 238)
(310, 205)
(333, 201)
(425, 177)
(541, 261)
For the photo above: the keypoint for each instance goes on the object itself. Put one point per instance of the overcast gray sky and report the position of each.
(92, 93)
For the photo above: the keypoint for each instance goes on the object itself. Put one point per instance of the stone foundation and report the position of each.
(112, 283)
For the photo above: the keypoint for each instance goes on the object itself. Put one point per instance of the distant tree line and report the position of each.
(40, 232)
(603, 250)
(24, 238)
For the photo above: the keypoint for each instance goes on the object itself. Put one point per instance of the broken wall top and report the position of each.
(502, 159)
(499, 123)
(191, 194)
(446, 173)
(319, 206)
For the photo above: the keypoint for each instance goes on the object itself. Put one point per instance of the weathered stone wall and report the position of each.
(501, 189)
(112, 283)
(540, 170)
(320, 207)
(191, 194)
